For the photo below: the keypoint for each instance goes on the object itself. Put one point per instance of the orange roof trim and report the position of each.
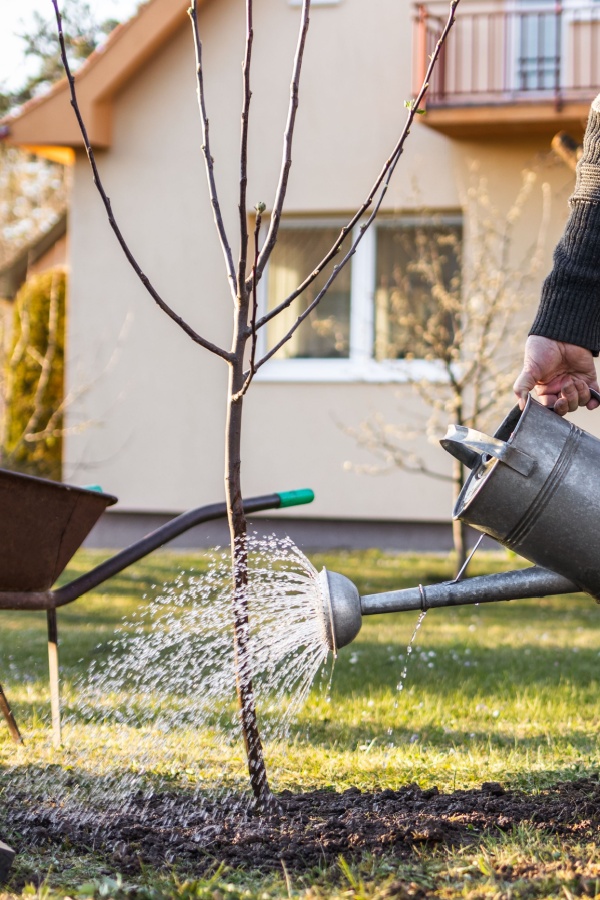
(47, 126)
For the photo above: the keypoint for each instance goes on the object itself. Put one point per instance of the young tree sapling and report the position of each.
(246, 322)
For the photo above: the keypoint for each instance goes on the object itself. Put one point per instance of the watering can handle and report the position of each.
(469, 445)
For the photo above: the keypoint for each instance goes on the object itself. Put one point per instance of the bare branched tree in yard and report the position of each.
(243, 276)
(459, 315)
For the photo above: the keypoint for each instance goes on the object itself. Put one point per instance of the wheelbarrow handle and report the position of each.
(165, 533)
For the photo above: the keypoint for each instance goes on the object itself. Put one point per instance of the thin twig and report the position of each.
(210, 163)
(197, 338)
(254, 295)
(244, 153)
(372, 437)
(335, 272)
(288, 137)
(253, 331)
(381, 182)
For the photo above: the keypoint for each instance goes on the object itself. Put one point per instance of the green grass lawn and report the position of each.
(498, 692)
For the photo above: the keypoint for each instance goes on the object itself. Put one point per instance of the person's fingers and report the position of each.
(570, 394)
(583, 392)
(592, 402)
(551, 400)
(523, 400)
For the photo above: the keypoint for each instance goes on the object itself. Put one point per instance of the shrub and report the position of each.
(34, 377)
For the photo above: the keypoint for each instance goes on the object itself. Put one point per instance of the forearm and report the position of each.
(569, 308)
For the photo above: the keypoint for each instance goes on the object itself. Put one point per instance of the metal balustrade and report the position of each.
(528, 52)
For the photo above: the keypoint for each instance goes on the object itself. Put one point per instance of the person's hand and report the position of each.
(562, 375)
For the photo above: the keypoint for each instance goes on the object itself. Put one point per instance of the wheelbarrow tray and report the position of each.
(42, 524)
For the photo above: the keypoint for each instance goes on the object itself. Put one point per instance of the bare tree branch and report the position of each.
(241, 279)
(209, 161)
(374, 435)
(254, 334)
(335, 272)
(197, 338)
(381, 184)
(288, 137)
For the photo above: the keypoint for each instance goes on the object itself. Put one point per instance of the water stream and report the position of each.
(409, 650)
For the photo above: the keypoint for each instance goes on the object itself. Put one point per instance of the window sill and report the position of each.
(346, 370)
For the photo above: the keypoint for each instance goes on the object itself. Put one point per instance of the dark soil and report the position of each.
(313, 828)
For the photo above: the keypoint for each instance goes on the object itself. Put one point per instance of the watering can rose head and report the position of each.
(338, 606)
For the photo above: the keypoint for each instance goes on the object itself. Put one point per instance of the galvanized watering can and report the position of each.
(535, 488)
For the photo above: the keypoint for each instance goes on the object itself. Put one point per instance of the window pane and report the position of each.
(326, 331)
(538, 62)
(417, 290)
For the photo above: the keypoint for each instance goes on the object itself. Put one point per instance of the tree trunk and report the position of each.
(239, 558)
(459, 529)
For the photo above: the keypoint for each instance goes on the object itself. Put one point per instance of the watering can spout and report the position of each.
(343, 607)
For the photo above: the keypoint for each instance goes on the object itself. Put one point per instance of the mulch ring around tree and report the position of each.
(313, 828)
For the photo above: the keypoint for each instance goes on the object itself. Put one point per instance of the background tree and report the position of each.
(83, 33)
(32, 386)
(243, 275)
(33, 196)
(462, 315)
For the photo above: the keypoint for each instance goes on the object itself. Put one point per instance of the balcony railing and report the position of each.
(528, 52)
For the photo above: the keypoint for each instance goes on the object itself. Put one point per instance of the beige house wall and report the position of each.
(147, 421)
(56, 256)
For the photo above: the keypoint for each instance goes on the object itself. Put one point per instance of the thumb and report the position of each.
(523, 385)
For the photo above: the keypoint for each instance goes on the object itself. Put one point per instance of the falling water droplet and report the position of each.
(409, 650)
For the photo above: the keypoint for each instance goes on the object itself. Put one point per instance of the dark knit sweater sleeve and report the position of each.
(570, 303)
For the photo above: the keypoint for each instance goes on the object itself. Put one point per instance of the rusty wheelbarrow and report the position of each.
(43, 523)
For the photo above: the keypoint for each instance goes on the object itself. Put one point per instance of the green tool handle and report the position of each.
(296, 498)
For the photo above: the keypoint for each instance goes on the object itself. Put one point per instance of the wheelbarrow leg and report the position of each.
(10, 719)
(54, 682)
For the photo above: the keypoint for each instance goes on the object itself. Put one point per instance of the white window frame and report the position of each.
(359, 366)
